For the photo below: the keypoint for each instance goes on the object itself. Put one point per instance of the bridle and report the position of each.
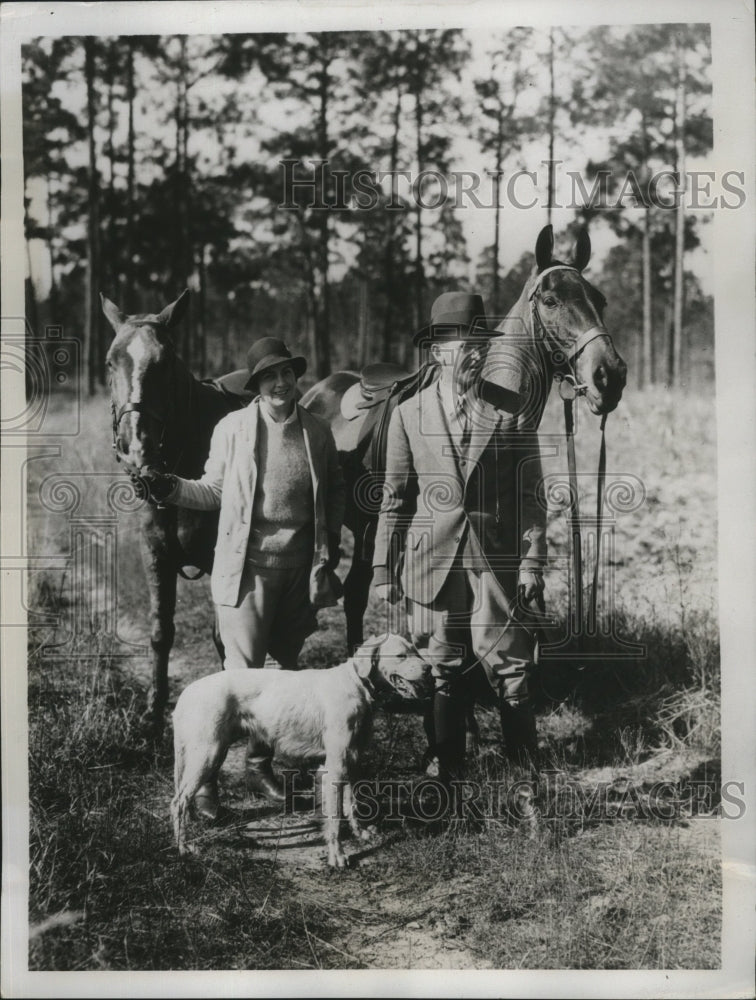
(569, 389)
(167, 427)
(120, 413)
(563, 355)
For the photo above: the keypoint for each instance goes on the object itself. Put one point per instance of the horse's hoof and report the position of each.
(151, 727)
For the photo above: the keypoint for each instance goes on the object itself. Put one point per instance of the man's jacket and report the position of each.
(438, 504)
(229, 481)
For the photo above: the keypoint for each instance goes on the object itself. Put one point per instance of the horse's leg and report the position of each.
(472, 740)
(356, 592)
(161, 581)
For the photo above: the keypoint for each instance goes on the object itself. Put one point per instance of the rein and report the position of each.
(569, 390)
(574, 515)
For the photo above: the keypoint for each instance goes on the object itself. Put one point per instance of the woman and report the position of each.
(274, 473)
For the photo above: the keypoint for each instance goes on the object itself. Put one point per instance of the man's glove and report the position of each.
(531, 587)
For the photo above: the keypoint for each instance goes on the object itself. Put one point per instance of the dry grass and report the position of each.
(107, 891)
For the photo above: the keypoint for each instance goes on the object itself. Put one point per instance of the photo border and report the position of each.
(733, 261)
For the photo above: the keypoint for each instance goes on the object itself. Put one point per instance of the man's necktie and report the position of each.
(464, 418)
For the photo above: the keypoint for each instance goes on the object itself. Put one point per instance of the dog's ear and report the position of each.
(375, 657)
(367, 663)
(364, 666)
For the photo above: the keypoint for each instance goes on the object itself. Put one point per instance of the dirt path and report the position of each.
(385, 925)
(376, 920)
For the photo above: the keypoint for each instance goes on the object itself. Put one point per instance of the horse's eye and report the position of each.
(550, 302)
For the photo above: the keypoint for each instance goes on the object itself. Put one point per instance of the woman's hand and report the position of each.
(157, 485)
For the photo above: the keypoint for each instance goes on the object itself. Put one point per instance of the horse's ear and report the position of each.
(175, 312)
(114, 315)
(582, 253)
(544, 247)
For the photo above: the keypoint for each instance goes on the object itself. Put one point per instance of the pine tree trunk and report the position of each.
(363, 322)
(52, 298)
(130, 207)
(30, 303)
(111, 271)
(419, 268)
(93, 224)
(647, 377)
(322, 317)
(201, 311)
(679, 290)
(183, 262)
(647, 370)
(389, 272)
(495, 305)
(552, 117)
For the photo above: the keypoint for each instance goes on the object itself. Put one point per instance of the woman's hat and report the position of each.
(455, 316)
(267, 353)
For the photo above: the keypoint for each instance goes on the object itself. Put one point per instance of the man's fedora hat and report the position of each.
(267, 353)
(455, 316)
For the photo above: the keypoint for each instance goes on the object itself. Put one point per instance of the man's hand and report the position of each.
(530, 586)
(391, 593)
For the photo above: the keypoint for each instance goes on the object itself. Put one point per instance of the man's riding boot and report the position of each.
(449, 728)
(262, 780)
(518, 729)
(429, 762)
(206, 803)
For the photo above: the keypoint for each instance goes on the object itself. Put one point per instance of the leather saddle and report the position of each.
(374, 387)
(232, 384)
(381, 388)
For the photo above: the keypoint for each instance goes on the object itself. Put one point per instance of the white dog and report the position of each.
(300, 715)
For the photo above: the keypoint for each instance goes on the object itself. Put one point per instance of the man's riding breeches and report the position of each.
(470, 622)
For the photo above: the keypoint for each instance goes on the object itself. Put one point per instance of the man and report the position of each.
(461, 533)
(273, 471)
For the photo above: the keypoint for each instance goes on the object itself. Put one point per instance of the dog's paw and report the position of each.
(336, 857)
(367, 834)
(188, 850)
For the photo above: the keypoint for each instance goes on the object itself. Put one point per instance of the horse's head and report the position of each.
(141, 370)
(568, 314)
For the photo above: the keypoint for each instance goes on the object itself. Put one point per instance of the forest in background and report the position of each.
(154, 163)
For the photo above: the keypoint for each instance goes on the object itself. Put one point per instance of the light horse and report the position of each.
(554, 330)
(163, 418)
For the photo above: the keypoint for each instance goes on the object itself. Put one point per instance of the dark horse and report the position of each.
(556, 323)
(163, 418)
